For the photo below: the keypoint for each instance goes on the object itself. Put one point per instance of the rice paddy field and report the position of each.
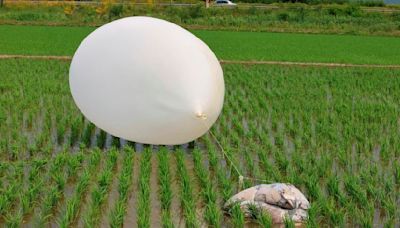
(45, 40)
(331, 131)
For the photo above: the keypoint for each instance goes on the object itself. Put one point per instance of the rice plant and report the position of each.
(143, 205)
(74, 203)
(100, 192)
(165, 192)
(186, 191)
(125, 184)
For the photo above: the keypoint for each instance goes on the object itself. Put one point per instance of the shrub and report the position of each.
(283, 16)
(353, 10)
(115, 11)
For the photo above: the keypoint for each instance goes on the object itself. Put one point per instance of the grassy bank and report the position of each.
(299, 18)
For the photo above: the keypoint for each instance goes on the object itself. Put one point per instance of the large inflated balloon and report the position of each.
(147, 80)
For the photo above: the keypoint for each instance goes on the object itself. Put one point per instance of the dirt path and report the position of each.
(43, 57)
(305, 64)
(224, 61)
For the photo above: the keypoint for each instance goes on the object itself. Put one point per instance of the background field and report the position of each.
(44, 40)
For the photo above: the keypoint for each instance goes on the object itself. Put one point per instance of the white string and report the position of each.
(202, 116)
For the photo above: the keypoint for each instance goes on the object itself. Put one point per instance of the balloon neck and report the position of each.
(201, 115)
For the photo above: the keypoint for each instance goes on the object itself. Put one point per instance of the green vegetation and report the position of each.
(332, 132)
(143, 197)
(98, 196)
(124, 187)
(164, 179)
(212, 213)
(186, 195)
(226, 44)
(74, 202)
(299, 18)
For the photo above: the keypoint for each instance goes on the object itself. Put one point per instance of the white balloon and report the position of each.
(147, 80)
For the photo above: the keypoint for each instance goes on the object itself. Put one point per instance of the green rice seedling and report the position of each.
(29, 195)
(49, 202)
(14, 221)
(390, 222)
(333, 189)
(289, 223)
(225, 184)
(143, 208)
(166, 220)
(125, 183)
(56, 185)
(99, 194)
(73, 204)
(212, 214)
(281, 160)
(313, 214)
(101, 139)
(252, 169)
(115, 142)
(74, 164)
(212, 153)
(396, 172)
(75, 130)
(165, 192)
(186, 191)
(9, 195)
(95, 158)
(87, 134)
(7, 198)
(335, 214)
(354, 190)
(117, 214)
(237, 216)
(389, 204)
(60, 132)
(259, 216)
(313, 187)
(364, 219)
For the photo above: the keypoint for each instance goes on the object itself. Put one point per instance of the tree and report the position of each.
(1, 3)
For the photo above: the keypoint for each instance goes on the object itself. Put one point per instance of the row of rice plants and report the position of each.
(186, 195)
(212, 213)
(55, 192)
(165, 192)
(99, 194)
(143, 198)
(73, 204)
(125, 185)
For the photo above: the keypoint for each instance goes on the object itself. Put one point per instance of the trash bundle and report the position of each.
(278, 200)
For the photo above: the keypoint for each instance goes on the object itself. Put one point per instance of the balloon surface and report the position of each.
(148, 81)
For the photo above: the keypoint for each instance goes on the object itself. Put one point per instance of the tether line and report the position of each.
(225, 154)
